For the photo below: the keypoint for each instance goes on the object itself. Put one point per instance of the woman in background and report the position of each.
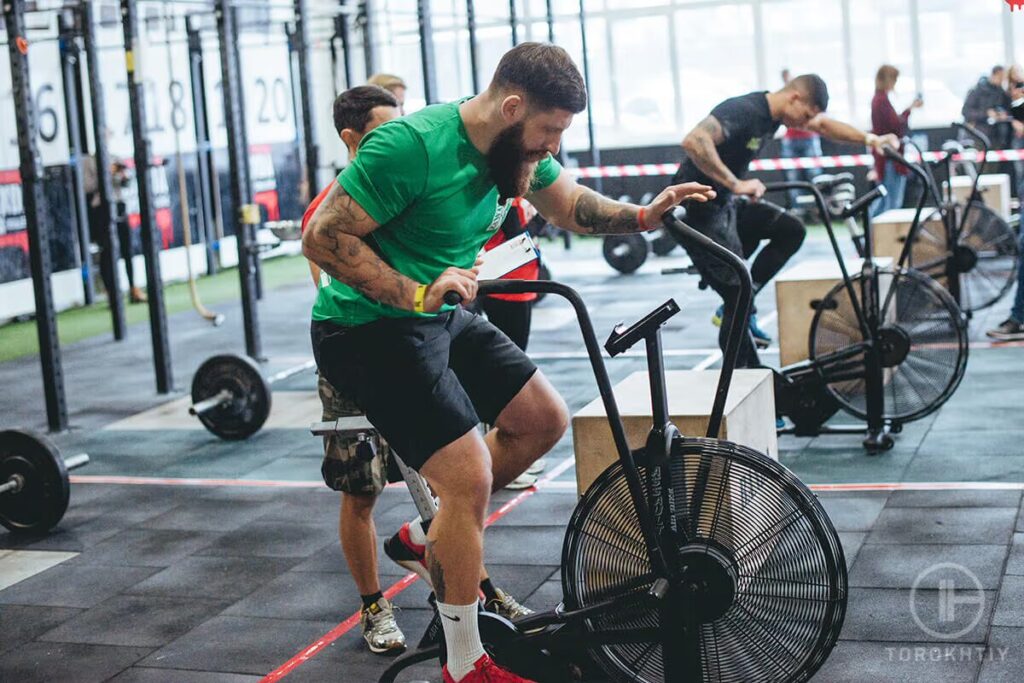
(885, 120)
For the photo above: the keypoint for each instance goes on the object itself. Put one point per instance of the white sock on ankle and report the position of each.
(416, 534)
(462, 638)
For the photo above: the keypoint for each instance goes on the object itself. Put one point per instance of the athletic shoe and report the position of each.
(506, 606)
(380, 630)
(523, 481)
(406, 554)
(1008, 330)
(716, 317)
(761, 338)
(485, 671)
(537, 467)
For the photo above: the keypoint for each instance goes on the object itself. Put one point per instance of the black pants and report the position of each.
(101, 236)
(741, 227)
(511, 317)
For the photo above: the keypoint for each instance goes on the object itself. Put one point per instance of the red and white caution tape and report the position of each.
(839, 161)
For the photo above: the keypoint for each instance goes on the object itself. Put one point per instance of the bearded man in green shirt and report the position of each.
(400, 229)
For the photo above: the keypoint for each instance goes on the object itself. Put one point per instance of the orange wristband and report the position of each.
(640, 218)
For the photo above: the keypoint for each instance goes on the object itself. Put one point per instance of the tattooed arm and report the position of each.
(575, 207)
(701, 145)
(334, 242)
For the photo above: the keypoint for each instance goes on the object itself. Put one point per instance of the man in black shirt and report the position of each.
(718, 152)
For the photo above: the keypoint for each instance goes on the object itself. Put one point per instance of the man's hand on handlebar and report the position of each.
(462, 282)
(672, 196)
(752, 187)
(878, 142)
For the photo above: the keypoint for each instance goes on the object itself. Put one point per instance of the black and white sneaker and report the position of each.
(1008, 330)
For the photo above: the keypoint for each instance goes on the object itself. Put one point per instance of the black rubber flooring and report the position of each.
(214, 561)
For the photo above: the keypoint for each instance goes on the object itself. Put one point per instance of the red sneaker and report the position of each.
(486, 671)
(406, 554)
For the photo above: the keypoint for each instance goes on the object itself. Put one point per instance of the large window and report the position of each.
(715, 50)
(396, 33)
(645, 108)
(451, 49)
(882, 33)
(806, 36)
(658, 66)
(960, 42)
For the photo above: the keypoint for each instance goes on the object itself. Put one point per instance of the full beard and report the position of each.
(511, 165)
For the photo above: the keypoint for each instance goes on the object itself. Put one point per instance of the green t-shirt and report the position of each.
(430, 190)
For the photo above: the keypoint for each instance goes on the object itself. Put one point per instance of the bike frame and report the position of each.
(657, 530)
(954, 225)
(947, 214)
(832, 367)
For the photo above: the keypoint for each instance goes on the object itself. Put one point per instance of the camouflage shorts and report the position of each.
(342, 469)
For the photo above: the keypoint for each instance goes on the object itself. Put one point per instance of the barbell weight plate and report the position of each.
(663, 244)
(625, 253)
(43, 498)
(243, 415)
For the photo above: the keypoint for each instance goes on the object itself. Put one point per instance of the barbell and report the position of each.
(34, 487)
(230, 396)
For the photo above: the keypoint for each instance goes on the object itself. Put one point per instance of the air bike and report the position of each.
(967, 246)
(690, 559)
(886, 345)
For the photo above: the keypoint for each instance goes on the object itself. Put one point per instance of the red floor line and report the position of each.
(344, 627)
(542, 484)
(924, 486)
(176, 481)
(338, 631)
(183, 481)
(348, 624)
(997, 345)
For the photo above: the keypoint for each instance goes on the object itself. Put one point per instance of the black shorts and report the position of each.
(739, 226)
(423, 382)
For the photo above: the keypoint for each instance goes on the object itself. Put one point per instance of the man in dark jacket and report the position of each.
(987, 107)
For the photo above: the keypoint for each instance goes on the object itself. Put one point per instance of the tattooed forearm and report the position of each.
(333, 241)
(702, 147)
(436, 573)
(596, 214)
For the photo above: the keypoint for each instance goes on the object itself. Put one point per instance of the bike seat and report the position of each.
(827, 182)
(623, 338)
(348, 426)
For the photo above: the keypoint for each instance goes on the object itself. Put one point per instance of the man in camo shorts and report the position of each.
(344, 468)
(360, 481)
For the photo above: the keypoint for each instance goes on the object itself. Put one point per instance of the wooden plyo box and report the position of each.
(749, 415)
(994, 189)
(891, 228)
(796, 291)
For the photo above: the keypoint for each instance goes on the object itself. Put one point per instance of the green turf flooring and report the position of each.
(19, 339)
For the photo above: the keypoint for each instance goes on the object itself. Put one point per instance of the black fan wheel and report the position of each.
(759, 571)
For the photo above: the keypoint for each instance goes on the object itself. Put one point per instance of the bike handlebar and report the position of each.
(862, 202)
(974, 133)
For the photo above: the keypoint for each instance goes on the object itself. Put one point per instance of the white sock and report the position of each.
(462, 637)
(416, 534)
